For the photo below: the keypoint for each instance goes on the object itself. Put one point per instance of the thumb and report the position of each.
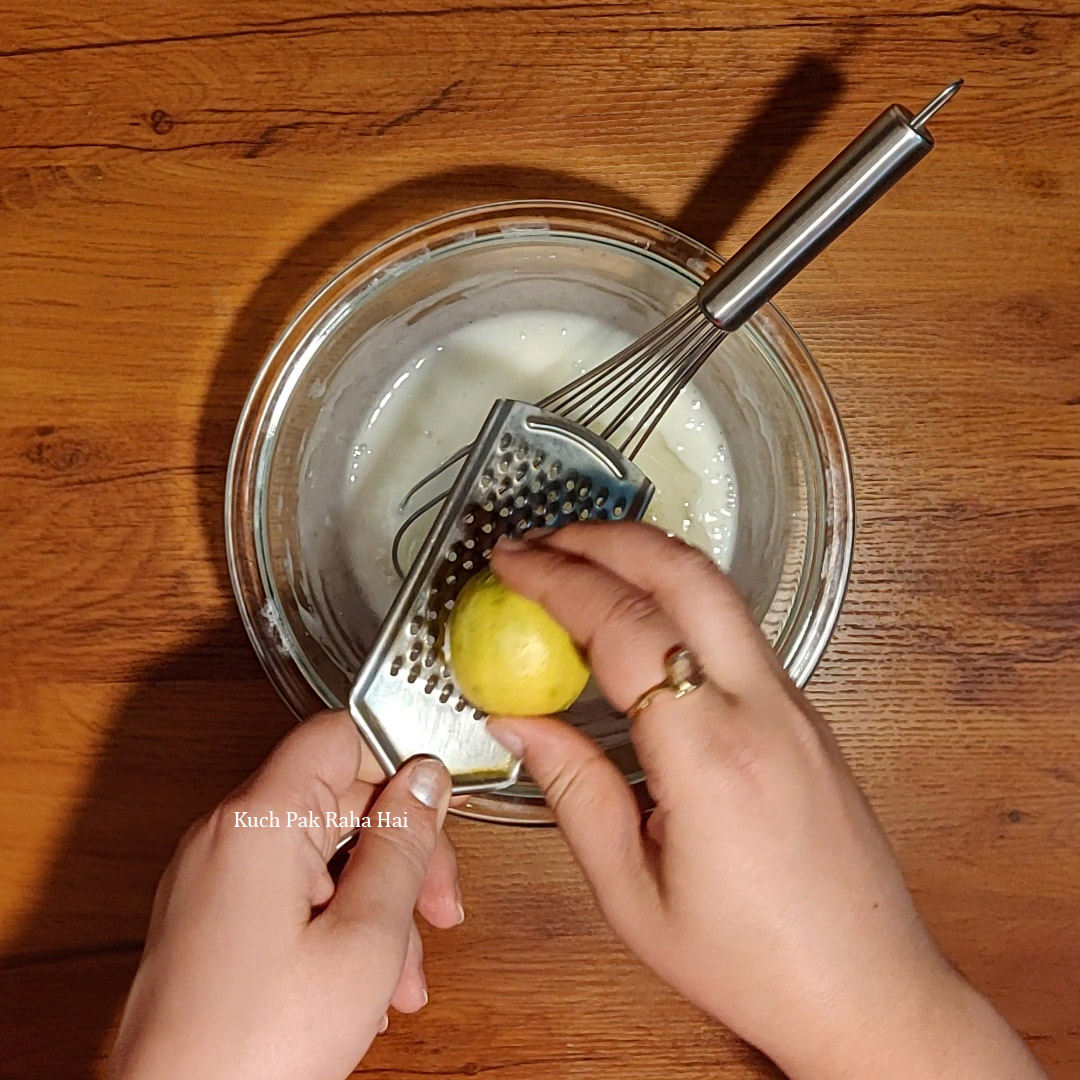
(594, 807)
(381, 881)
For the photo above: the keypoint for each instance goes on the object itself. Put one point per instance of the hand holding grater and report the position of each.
(527, 469)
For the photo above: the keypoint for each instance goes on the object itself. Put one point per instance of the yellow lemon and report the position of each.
(509, 655)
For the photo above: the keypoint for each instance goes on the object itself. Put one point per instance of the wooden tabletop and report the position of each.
(175, 180)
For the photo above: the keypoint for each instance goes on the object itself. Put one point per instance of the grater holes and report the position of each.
(414, 653)
(504, 512)
(584, 514)
(602, 497)
(478, 715)
(466, 565)
(451, 578)
(430, 685)
(396, 665)
(521, 472)
(536, 487)
(522, 452)
(584, 489)
(469, 518)
(568, 507)
(486, 527)
(460, 705)
(554, 469)
(519, 501)
(470, 543)
(488, 506)
(619, 508)
(504, 463)
(445, 672)
(549, 519)
(445, 693)
(538, 459)
(506, 441)
(487, 478)
(570, 484)
(504, 485)
(414, 626)
(414, 673)
(552, 496)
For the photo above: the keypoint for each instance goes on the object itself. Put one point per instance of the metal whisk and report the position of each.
(624, 398)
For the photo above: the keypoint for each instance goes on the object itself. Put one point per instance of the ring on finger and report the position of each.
(684, 675)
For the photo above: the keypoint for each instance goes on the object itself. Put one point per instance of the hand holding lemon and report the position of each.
(509, 656)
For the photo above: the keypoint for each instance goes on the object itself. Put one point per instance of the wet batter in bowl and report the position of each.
(437, 402)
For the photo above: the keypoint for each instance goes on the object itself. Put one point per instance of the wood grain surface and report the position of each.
(176, 179)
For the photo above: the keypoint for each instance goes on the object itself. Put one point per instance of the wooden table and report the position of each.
(176, 179)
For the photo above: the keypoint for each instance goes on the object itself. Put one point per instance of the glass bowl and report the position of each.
(287, 535)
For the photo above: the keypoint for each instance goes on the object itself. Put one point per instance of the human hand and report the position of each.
(762, 887)
(256, 965)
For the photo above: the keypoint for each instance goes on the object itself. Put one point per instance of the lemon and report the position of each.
(508, 655)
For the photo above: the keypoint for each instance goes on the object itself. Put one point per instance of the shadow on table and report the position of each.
(196, 723)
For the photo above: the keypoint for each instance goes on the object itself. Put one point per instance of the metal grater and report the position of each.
(527, 469)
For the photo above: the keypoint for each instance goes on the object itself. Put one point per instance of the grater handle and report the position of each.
(842, 192)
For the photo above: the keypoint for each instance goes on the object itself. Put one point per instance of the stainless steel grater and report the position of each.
(528, 468)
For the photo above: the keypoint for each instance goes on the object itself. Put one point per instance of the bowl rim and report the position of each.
(252, 440)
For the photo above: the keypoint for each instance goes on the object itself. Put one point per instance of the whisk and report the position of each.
(624, 398)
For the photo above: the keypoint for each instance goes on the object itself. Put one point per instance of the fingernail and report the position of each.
(460, 904)
(430, 782)
(510, 543)
(507, 738)
(384, 1023)
(524, 541)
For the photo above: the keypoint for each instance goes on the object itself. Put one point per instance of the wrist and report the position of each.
(938, 1029)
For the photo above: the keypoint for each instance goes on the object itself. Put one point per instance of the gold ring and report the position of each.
(684, 675)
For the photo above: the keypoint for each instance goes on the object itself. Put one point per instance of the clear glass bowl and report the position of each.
(308, 621)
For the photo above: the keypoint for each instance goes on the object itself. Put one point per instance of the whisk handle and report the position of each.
(842, 192)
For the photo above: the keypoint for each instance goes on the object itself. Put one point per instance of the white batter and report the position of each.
(438, 402)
